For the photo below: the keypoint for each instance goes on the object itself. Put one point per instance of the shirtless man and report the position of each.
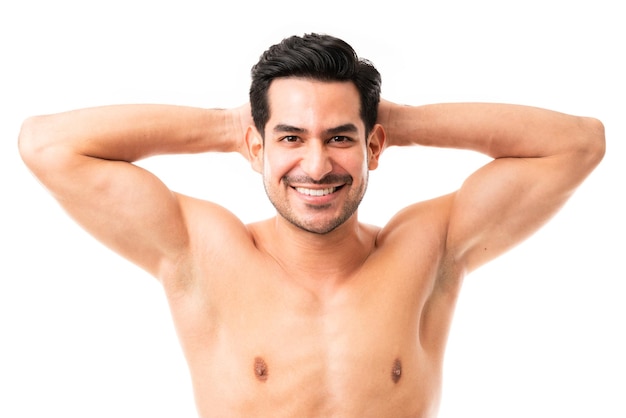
(312, 313)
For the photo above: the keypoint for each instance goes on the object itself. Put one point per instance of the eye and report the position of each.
(290, 139)
(340, 139)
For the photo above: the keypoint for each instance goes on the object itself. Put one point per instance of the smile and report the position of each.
(316, 192)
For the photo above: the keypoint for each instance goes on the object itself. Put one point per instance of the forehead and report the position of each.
(307, 102)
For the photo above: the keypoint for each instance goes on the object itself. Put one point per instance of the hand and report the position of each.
(242, 120)
(384, 110)
(384, 118)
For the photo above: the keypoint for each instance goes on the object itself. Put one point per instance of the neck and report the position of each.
(328, 258)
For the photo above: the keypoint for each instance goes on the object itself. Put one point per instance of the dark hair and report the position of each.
(317, 56)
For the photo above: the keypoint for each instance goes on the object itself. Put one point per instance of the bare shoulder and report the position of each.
(217, 239)
(414, 247)
(200, 214)
(428, 220)
(414, 243)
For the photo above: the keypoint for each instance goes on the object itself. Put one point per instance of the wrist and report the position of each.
(389, 116)
(240, 121)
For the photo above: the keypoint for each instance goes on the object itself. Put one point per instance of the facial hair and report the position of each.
(350, 206)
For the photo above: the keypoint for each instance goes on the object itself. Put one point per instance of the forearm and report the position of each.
(497, 130)
(132, 132)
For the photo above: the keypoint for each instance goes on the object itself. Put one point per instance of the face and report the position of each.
(315, 158)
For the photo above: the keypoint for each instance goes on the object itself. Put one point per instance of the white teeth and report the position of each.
(316, 192)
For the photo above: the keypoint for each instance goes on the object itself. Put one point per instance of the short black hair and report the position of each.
(320, 57)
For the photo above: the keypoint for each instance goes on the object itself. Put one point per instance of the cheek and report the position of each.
(274, 168)
(357, 165)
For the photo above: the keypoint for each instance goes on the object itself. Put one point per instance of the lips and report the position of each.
(316, 192)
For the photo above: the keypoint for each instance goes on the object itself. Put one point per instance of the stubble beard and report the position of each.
(318, 227)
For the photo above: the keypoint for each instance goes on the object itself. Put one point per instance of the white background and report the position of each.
(538, 333)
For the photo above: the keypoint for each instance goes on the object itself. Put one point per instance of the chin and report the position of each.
(320, 227)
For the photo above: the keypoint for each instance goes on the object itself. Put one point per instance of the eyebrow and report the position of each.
(345, 128)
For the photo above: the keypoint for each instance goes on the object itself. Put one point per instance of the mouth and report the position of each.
(317, 192)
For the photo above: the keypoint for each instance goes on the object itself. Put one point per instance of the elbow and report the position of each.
(36, 144)
(593, 142)
(588, 147)
(40, 145)
(29, 142)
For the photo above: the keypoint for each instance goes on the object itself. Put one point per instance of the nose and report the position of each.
(316, 162)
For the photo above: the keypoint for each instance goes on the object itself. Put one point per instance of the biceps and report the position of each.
(504, 203)
(125, 207)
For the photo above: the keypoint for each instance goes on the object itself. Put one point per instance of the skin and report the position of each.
(327, 316)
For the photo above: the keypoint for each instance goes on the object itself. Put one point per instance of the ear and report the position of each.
(254, 141)
(375, 146)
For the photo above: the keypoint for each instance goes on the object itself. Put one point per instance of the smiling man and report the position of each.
(327, 316)
(315, 159)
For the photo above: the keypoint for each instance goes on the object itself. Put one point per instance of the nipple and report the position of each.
(260, 369)
(396, 371)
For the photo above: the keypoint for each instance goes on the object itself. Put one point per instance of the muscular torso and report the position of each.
(259, 343)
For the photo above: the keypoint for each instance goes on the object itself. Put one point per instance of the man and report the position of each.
(312, 313)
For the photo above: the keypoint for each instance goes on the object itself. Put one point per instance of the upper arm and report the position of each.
(124, 206)
(507, 200)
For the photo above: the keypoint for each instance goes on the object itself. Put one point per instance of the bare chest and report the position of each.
(272, 348)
